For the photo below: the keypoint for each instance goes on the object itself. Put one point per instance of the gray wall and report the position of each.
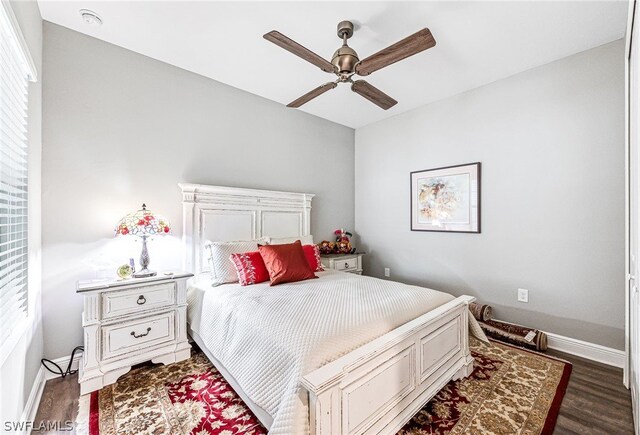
(551, 143)
(120, 129)
(21, 366)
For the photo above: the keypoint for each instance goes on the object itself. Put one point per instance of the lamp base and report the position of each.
(144, 273)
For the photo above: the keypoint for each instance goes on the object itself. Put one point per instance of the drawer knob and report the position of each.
(141, 335)
(141, 300)
(346, 265)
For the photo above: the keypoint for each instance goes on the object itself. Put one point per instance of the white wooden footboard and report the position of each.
(378, 387)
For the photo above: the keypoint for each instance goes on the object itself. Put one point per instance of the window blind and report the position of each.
(14, 82)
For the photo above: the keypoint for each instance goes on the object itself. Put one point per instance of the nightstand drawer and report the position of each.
(123, 302)
(346, 264)
(129, 336)
(351, 263)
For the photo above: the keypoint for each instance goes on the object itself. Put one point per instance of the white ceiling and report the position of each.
(477, 43)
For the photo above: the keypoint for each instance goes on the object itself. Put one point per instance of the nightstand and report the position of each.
(351, 263)
(127, 322)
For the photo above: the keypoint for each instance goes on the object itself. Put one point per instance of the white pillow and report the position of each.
(222, 269)
(305, 240)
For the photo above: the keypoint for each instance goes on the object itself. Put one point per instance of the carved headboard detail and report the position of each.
(219, 213)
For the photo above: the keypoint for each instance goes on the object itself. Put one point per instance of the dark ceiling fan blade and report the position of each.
(311, 95)
(290, 45)
(409, 46)
(373, 94)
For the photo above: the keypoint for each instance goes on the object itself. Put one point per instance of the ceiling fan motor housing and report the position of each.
(345, 59)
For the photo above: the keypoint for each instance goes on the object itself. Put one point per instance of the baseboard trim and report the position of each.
(584, 349)
(63, 362)
(31, 407)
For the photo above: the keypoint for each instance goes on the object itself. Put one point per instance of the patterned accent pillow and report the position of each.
(222, 268)
(312, 252)
(250, 268)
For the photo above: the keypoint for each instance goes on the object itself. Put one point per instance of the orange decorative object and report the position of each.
(327, 248)
(342, 245)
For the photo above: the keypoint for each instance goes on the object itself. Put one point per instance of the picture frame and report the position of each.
(446, 199)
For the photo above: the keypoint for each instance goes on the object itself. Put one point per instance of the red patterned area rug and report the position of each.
(511, 391)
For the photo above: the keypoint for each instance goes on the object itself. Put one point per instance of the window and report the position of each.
(15, 73)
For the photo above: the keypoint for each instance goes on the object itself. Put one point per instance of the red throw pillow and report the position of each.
(250, 268)
(312, 253)
(286, 263)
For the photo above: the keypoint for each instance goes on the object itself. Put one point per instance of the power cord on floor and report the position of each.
(56, 369)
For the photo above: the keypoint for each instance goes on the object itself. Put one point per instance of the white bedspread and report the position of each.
(269, 337)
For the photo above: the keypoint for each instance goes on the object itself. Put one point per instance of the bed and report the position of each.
(339, 354)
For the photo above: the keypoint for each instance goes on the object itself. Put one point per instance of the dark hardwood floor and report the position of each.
(596, 402)
(59, 402)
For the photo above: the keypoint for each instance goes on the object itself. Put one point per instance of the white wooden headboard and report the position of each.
(221, 214)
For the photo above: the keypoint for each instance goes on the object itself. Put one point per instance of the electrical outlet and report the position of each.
(387, 272)
(523, 295)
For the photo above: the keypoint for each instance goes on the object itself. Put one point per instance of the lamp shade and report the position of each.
(142, 223)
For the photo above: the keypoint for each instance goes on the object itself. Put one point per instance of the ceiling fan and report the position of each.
(346, 63)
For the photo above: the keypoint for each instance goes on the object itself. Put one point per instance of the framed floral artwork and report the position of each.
(446, 199)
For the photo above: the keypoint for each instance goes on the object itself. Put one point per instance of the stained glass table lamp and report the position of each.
(144, 224)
